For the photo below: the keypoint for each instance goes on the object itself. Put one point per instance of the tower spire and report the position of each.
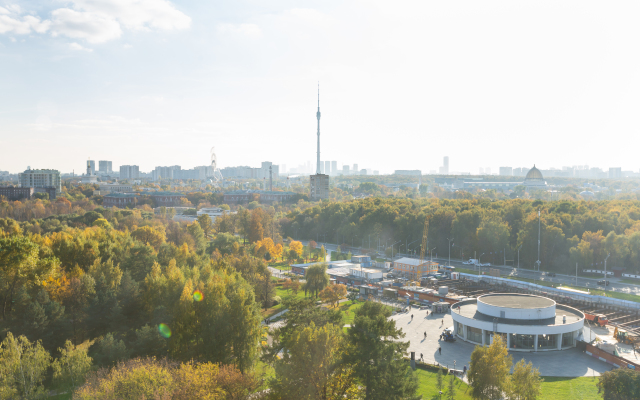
(318, 116)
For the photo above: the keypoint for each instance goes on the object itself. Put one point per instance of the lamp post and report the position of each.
(479, 263)
(605, 271)
(538, 262)
(431, 254)
(450, 240)
(392, 248)
(519, 256)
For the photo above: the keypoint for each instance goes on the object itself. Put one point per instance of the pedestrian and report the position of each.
(425, 335)
(412, 317)
(440, 350)
(421, 357)
(443, 321)
(464, 370)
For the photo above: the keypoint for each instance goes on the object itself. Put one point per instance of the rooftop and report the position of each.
(470, 309)
(411, 261)
(516, 301)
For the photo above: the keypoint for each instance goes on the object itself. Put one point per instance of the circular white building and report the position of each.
(525, 322)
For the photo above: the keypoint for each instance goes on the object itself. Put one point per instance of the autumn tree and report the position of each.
(206, 224)
(297, 247)
(312, 368)
(489, 370)
(70, 368)
(256, 229)
(525, 382)
(332, 294)
(23, 368)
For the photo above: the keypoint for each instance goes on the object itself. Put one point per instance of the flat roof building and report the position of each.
(41, 178)
(319, 184)
(412, 268)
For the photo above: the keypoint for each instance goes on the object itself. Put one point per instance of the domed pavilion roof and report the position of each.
(534, 178)
(534, 174)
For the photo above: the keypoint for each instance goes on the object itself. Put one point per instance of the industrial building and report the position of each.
(412, 268)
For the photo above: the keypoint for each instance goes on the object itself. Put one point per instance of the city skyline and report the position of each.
(147, 85)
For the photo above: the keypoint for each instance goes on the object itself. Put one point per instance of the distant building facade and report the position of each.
(265, 196)
(615, 173)
(252, 173)
(410, 172)
(506, 171)
(105, 167)
(120, 200)
(319, 186)
(106, 188)
(16, 193)
(167, 199)
(129, 172)
(41, 178)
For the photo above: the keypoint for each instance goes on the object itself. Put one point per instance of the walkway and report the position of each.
(566, 363)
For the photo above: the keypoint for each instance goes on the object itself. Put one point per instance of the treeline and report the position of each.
(570, 231)
(128, 284)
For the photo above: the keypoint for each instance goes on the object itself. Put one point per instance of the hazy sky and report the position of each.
(157, 82)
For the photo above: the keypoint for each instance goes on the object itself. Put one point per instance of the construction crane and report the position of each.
(425, 233)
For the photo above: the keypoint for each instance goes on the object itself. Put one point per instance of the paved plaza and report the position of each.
(567, 363)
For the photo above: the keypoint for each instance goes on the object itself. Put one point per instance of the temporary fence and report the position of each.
(545, 290)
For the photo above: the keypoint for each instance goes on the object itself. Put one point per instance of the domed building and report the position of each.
(534, 178)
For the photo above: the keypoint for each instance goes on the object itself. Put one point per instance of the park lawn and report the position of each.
(427, 386)
(583, 388)
(284, 296)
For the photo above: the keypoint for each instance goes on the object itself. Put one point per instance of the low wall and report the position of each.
(610, 358)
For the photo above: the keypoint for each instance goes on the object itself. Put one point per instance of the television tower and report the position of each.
(318, 116)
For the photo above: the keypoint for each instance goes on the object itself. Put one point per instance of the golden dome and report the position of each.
(534, 174)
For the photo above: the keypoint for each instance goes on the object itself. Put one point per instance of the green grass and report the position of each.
(66, 396)
(427, 386)
(583, 388)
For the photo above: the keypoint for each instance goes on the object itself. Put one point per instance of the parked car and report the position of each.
(471, 261)
(551, 274)
(604, 283)
(485, 265)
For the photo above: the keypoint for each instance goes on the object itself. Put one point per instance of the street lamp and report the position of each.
(538, 262)
(479, 263)
(392, 248)
(431, 254)
(450, 240)
(605, 271)
(519, 256)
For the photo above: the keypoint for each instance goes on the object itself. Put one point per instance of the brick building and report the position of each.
(120, 200)
(16, 193)
(167, 199)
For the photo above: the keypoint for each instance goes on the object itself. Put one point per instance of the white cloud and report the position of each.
(21, 25)
(138, 14)
(95, 28)
(97, 21)
(78, 47)
(249, 30)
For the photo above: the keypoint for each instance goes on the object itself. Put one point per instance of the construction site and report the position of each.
(611, 325)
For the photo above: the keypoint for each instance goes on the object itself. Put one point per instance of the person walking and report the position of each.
(440, 350)
(443, 322)
(425, 334)
(421, 357)
(412, 317)
(464, 370)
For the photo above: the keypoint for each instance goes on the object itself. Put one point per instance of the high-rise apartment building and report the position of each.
(319, 184)
(506, 171)
(104, 167)
(445, 165)
(615, 173)
(40, 178)
(129, 172)
(321, 164)
(355, 169)
(345, 170)
(334, 167)
(327, 167)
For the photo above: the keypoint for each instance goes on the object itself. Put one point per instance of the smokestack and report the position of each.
(318, 116)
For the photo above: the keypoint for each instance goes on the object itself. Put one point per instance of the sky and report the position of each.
(402, 83)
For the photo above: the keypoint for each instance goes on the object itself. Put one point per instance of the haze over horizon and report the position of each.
(402, 84)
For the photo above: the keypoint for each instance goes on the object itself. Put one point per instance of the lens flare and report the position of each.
(164, 330)
(197, 295)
